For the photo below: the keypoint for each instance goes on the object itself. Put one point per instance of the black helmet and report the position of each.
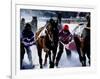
(51, 20)
(28, 26)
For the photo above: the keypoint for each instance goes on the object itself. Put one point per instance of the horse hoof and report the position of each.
(51, 65)
(41, 67)
(83, 65)
(56, 64)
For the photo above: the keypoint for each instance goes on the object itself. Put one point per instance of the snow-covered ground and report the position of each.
(64, 61)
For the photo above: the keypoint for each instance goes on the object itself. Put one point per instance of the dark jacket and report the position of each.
(27, 37)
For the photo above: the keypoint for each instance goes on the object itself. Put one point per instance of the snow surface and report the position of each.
(64, 62)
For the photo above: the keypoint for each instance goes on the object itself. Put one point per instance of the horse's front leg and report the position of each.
(40, 56)
(54, 55)
(45, 61)
(50, 61)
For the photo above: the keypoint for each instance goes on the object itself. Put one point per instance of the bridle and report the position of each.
(49, 33)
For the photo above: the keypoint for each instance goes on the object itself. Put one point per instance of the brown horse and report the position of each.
(48, 40)
(83, 46)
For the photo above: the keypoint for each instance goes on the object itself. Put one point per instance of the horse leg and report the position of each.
(54, 54)
(84, 57)
(45, 61)
(84, 60)
(80, 55)
(40, 56)
(59, 53)
(50, 62)
(78, 46)
(88, 54)
(86, 51)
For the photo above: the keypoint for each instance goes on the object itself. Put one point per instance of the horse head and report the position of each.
(52, 31)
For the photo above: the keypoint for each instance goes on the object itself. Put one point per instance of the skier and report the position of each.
(28, 40)
(64, 38)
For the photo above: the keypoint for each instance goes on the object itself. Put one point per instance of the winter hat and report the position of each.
(66, 27)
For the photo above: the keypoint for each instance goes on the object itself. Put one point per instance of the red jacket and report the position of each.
(65, 37)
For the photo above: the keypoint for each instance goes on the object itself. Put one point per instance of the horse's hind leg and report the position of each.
(84, 60)
(84, 57)
(77, 42)
(40, 56)
(80, 54)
